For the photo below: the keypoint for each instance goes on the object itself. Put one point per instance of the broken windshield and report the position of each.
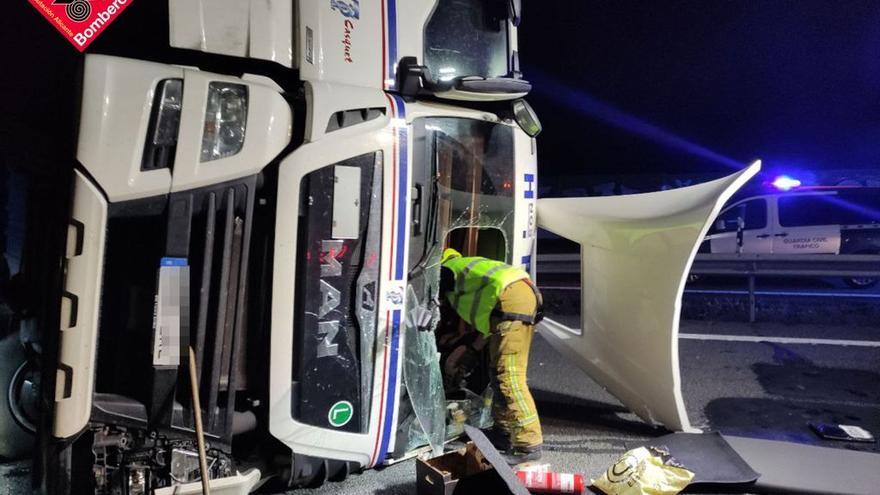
(467, 38)
(463, 175)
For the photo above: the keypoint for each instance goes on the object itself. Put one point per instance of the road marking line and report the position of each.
(779, 340)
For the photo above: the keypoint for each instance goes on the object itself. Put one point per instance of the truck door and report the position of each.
(338, 291)
(636, 252)
(743, 227)
(808, 224)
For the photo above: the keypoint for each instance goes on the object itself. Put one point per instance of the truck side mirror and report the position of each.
(526, 117)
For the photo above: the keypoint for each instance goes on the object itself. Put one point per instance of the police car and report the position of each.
(807, 221)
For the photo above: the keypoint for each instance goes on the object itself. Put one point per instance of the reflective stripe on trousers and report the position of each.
(513, 406)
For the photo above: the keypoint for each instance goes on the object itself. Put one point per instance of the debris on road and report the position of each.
(476, 467)
(546, 481)
(845, 433)
(644, 471)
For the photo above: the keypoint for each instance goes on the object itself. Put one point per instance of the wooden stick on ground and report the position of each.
(197, 414)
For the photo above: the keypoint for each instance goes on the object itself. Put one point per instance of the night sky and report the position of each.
(622, 86)
(796, 83)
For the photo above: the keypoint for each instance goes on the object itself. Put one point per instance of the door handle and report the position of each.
(763, 236)
(783, 234)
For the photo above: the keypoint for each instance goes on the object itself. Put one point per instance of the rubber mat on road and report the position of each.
(708, 456)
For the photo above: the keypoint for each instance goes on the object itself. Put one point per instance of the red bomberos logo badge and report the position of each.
(80, 21)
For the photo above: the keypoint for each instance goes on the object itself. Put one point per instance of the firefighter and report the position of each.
(503, 305)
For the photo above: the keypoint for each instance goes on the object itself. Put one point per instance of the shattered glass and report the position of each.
(422, 375)
(470, 207)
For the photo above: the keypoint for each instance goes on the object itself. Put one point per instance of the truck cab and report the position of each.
(292, 260)
(293, 239)
(360, 267)
(452, 49)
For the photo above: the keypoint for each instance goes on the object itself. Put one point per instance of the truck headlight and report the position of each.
(161, 142)
(225, 120)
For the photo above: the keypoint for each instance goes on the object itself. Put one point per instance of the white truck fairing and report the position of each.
(120, 95)
(153, 134)
(241, 28)
(79, 309)
(389, 143)
(361, 42)
(636, 252)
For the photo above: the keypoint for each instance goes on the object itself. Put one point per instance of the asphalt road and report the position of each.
(766, 390)
(733, 382)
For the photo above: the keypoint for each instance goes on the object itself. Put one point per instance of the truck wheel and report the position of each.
(16, 409)
(312, 472)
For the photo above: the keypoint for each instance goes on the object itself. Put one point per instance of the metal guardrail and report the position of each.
(750, 266)
(794, 265)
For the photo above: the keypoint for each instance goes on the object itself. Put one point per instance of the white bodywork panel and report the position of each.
(393, 137)
(303, 438)
(117, 99)
(80, 306)
(636, 252)
(349, 42)
(241, 28)
(526, 193)
(456, 94)
(325, 99)
(268, 131)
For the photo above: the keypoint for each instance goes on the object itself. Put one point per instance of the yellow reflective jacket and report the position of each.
(479, 283)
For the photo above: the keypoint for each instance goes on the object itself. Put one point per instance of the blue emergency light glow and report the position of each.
(785, 183)
(581, 101)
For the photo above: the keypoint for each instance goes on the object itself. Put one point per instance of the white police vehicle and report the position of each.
(807, 221)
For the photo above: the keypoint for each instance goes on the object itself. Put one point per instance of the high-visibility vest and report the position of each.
(479, 283)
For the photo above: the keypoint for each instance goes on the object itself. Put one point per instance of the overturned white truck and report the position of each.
(293, 240)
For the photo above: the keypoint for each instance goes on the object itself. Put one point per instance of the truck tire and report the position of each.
(16, 427)
(312, 472)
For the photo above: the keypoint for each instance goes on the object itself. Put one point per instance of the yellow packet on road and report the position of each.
(641, 472)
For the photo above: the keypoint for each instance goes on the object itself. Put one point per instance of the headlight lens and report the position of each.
(161, 141)
(225, 120)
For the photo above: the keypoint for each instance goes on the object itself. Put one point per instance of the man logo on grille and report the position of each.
(77, 10)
